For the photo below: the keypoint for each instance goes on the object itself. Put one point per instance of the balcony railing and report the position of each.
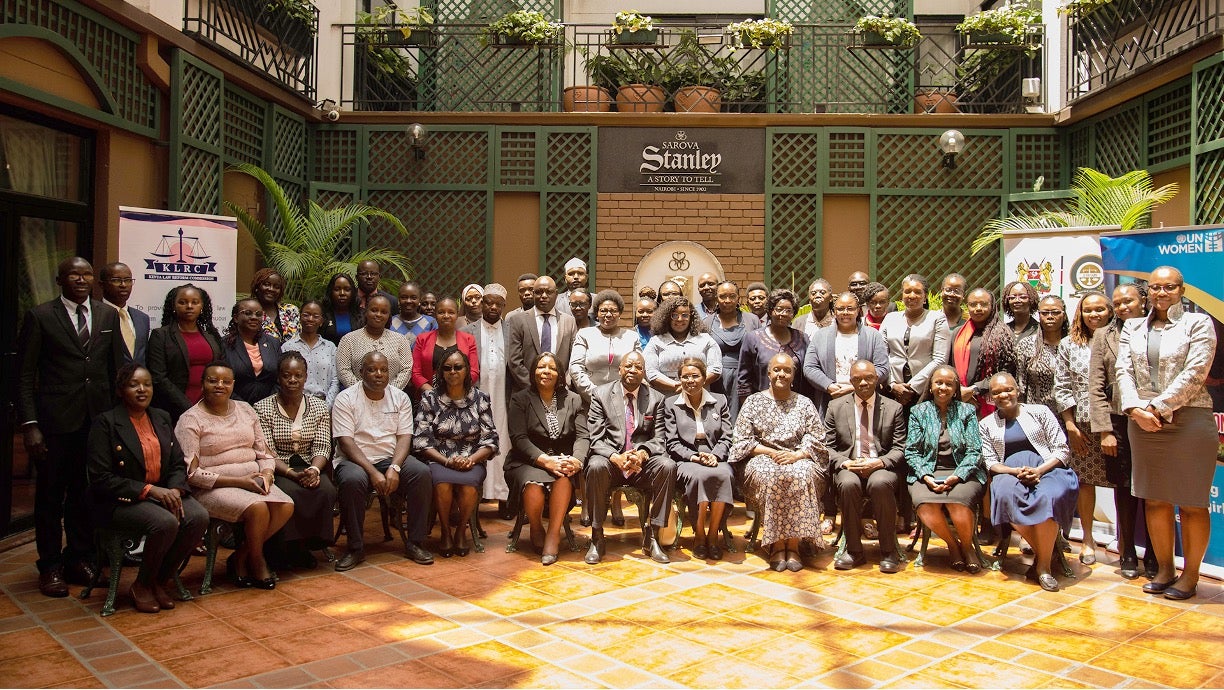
(821, 68)
(1124, 37)
(265, 37)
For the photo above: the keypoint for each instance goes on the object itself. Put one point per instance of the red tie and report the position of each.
(864, 433)
(629, 420)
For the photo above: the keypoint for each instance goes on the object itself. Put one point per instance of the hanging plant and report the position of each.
(1006, 25)
(759, 33)
(897, 31)
(523, 27)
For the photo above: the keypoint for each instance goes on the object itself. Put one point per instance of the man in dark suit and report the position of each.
(133, 323)
(626, 429)
(69, 350)
(542, 329)
(369, 273)
(865, 434)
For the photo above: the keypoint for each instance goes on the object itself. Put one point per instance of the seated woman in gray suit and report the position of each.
(697, 434)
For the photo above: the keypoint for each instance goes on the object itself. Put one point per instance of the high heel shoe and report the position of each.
(461, 551)
(231, 571)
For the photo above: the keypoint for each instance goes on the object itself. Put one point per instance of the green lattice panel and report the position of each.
(847, 160)
(1037, 155)
(200, 178)
(109, 48)
(453, 157)
(1079, 148)
(796, 161)
(202, 104)
(1208, 181)
(1032, 207)
(475, 78)
(841, 11)
(243, 128)
(912, 161)
(568, 230)
(1168, 116)
(289, 144)
(446, 244)
(571, 159)
(485, 11)
(1118, 147)
(516, 164)
(794, 246)
(1209, 84)
(931, 235)
(335, 155)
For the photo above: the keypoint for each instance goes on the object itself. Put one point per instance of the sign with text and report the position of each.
(1065, 262)
(665, 160)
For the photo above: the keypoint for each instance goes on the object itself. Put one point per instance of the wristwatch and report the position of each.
(395, 468)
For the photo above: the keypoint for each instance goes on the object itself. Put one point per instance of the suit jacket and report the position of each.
(820, 362)
(1039, 425)
(606, 420)
(525, 345)
(473, 329)
(170, 367)
(922, 442)
(528, 423)
(423, 352)
(140, 324)
(115, 463)
(888, 431)
(1187, 347)
(1103, 398)
(680, 427)
(928, 347)
(63, 384)
(250, 387)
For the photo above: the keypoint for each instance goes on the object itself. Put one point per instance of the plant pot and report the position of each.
(989, 38)
(504, 40)
(640, 98)
(871, 38)
(406, 36)
(586, 99)
(641, 37)
(935, 101)
(697, 99)
(767, 42)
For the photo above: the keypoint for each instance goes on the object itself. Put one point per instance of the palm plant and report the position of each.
(1096, 199)
(307, 247)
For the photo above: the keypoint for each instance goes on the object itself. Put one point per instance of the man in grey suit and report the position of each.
(543, 329)
(832, 350)
(865, 434)
(492, 345)
(133, 323)
(626, 429)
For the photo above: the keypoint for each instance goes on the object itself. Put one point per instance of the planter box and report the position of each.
(642, 37)
(975, 38)
(871, 38)
(746, 41)
(408, 37)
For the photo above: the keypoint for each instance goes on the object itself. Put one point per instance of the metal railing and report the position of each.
(263, 36)
(820, 68)
(1124, 37)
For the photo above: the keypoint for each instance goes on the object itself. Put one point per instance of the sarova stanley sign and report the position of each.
(708, 160)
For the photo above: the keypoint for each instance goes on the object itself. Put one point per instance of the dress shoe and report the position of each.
(164, 600)
(231, 571)
(793, 562)
(143, 599)
(1047, 582)
(715, 552)
(1155, 587)
(503, 510)
(548, 559)
(777, 561)
(1129, 568)
(418, 555)
(350, 561)
(1088, 558)
(890, 563)
(1150, 566)
(80, 573)
(656, 552)
(595, 551)
(701, 552)
(849, 561)
(51, 582)
(267, 583)
(973, 567)
(1180, 594)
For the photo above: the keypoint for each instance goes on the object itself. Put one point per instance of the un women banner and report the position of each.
(1198, 252)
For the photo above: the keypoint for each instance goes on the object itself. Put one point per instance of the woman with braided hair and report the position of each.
(981, 347)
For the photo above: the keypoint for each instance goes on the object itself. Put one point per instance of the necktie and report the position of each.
(630, 418)
(82, 325)
(864, 433)
(546, 335)
(128, 330)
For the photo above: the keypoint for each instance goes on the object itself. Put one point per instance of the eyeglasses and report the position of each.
(783, 310)
(1051, 312)
(953, 291)
(119, 281)
(1170, 288)
(453, 367)
(247, 313)
(607, 312)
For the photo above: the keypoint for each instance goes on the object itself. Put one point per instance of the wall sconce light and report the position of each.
(331, 111)
(416, 139)
(951, 143)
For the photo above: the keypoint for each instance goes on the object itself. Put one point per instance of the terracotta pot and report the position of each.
(586, 99)
(935, 102)
(698, 99)
(640, 98)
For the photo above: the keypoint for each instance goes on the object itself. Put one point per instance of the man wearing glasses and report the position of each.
(543, 329)
(133, 323)
(369, 273)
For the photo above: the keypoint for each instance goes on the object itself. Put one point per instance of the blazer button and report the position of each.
(118, 447)
(121, 463)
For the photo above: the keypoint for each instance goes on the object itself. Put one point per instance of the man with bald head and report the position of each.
(372, 427)
(543, 329)
(707, 289)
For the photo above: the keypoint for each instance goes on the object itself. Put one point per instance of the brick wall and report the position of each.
(731, 226)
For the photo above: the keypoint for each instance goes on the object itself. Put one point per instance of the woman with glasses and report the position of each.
(777, 337)
(1163, 362)
(1019, 300)
(597, 350)
(678, 334)
(252, 352)
(1037, 354)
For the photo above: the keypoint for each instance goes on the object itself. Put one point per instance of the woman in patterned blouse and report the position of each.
(281, 319)
(1037, 354)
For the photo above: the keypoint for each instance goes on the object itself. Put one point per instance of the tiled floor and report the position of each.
(501, 620)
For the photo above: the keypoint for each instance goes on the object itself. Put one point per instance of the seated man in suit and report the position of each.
(372, 427)
(133, 323)
(626, 429)
(865, 434)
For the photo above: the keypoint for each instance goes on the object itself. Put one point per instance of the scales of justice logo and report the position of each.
(180, 256)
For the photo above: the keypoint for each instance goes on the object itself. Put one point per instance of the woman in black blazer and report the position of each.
(138, 481)
(180, 349)
(252, 353)
(548, 433)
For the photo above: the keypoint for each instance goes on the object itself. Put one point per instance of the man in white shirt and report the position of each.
(372, 427)
(133, 323)
(492, 344)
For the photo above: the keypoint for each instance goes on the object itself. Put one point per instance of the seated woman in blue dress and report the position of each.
(1033, 489)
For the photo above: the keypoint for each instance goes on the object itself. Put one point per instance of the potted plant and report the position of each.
(595, 97)
(411, 26)
(886, 30)
(1006, 25)
(523, 28)
(937, 95)
(743, 91)
(692, 77)
(759, 33)
(1078, 9)
(640, 78)
(631, 27)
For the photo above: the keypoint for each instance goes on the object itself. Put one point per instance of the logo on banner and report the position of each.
(180, 257)
(1039, 275)
(680, 165)
(1207, 242)
(1087, 275)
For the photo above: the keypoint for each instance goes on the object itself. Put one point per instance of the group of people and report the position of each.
(958, 415)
